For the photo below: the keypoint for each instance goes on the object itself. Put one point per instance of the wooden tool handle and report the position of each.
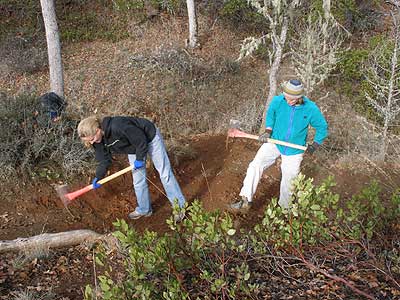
(278, 142)
(76, 194)
(112, 176)
(234, 132)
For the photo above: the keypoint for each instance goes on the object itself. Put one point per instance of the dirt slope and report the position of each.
(214, 176)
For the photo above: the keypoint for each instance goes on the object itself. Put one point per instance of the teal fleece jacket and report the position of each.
(291, 123)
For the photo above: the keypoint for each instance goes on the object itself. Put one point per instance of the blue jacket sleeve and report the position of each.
(321, 126)
(271, 113)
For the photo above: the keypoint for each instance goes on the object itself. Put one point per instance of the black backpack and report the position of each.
(52, 104)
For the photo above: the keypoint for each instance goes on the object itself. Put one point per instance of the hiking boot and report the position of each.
(241, 204)
(135, 215)
(179, 217)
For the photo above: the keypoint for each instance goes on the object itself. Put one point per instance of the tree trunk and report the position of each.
(192, 23)
(50, 240)
(273, 72)
(53, 47)
(326, 5)
(388, 115)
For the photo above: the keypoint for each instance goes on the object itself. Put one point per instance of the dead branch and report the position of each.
(51, 240)
(314, 268)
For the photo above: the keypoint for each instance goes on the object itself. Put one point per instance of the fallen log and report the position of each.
(51, 240)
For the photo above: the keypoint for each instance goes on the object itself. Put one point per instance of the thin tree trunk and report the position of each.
(388, 113)
(53, 47)
(273, 72)
(327, 9)
(192, 23)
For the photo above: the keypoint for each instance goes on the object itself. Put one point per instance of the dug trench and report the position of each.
(212, 174)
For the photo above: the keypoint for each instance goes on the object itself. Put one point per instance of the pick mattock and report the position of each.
(67, 198)
(234, 131)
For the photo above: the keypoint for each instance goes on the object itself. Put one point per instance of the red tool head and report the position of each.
(67, 198)
(62, 191)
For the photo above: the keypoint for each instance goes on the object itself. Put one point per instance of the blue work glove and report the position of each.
(95, 184)
(138, 164)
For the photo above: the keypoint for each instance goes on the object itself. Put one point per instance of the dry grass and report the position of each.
(32, 295)
(188, 92)
(354, 142)
(183, 92)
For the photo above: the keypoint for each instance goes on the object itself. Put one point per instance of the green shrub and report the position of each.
(204, 258)
(201, 255)
(349, 66)
(365, 213)
(33, 146)
(395, 205)
(316, 217)
(306, 222)
(355, 15)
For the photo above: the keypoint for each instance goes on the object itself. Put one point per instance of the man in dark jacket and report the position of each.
(136, 137)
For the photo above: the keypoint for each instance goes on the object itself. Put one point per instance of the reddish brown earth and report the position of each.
(214, 176)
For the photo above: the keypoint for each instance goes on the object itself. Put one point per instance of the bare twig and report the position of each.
(314, 268)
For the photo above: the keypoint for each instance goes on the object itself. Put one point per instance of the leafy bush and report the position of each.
(315, 216)
(351, 68)
(306, 222)
(355, 15)
(349, 65)
(365, 213)
(33, 145)
(204, 258)
(201, 255)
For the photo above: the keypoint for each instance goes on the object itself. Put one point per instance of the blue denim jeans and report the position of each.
(158, 154)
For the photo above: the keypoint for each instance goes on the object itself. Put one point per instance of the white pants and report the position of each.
(265, 157)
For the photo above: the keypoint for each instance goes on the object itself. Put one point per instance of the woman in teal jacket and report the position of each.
(288, 119)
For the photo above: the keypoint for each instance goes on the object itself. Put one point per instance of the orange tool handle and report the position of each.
(76, 194)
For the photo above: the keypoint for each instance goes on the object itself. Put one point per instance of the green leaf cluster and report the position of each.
(305, 222)
(202, 253)
(366, 213)
(203, 257)
(241, 12)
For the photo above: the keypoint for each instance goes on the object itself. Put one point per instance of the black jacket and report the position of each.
(123, 135)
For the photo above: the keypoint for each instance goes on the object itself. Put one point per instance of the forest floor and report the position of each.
(99, 75)
(214, 176)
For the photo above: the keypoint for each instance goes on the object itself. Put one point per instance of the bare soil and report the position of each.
(214, 177)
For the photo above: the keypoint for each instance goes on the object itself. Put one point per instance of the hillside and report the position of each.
(191, 95)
